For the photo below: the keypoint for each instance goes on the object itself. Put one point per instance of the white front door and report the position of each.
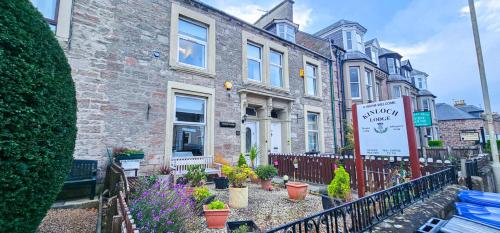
(276, 137)
(252, 138)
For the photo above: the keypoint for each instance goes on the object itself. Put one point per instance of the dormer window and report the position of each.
(286, 31)
(398, 66)
(374, 54)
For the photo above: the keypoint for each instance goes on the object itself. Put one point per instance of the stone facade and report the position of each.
(119, 54)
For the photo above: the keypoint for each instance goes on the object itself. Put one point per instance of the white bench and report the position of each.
(179, 165)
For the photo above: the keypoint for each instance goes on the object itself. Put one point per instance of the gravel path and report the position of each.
(266, 208)
(69, 221)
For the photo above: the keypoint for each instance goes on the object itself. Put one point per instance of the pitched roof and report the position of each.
(384, 51)
(406, 63)
(425, 93)
(339, 23)
(470, 108)
(418, 72)
(446, 112)
(351, 55)
(374, 40)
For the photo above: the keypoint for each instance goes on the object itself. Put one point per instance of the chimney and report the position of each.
(459, 103)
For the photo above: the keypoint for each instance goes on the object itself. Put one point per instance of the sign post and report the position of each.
(384, 128)
(422, 119)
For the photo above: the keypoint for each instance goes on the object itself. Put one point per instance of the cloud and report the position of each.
(409, 51)
(249, 13)
(302, 16)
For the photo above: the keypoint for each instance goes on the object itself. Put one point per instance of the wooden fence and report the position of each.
(319, 168)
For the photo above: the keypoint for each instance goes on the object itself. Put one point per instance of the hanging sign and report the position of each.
(382, 128)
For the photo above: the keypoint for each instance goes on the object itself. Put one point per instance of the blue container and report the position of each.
(485, 214)
(480, 198)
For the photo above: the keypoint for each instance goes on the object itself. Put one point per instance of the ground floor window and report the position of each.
(189, 126)
(312, 131)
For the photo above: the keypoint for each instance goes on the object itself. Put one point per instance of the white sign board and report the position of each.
(382, 128)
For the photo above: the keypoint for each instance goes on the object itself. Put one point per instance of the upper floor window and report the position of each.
(398, 66)
(276, 68)
(192, 49)
(396, 91)
(312, 79)
(374, 54)
(286, 31)
(390, 66)
(425, 105)
(369, 85)
(354, 81)
(313, 131)
(254, 61)
(349, 39)
(49, 10)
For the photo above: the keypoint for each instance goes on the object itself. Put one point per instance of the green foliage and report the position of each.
(196, 175)
(487, 148)
(266, 172)
(37, 117)
(237, 175)
(242, 161)
(253, 155)
(201, 193)
(340, 185)
(242, 229)
(349, 137)
(435, 143)
(216, 205)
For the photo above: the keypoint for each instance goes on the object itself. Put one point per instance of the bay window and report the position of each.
(354, 82)
(378, 93)
(369, 84)
(349, 40)
(276, 68)
(254, 60)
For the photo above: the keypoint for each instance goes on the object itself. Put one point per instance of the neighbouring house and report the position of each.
(182, 79)
(463, 125)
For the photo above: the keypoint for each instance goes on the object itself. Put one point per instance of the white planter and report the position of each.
(238, 197)
(130, 165)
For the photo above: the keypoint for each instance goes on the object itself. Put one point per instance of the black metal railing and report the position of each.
(366, 212)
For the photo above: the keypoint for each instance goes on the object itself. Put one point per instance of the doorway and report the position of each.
(276, 137)
(252, 138)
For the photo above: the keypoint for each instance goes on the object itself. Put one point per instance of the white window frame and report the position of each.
(390, 61)
(279, 66)
(425, 105)
(321, 139)
(191, 16)
(259, 60)
(358, 82)
(195, 40)
(398, 66)
(285, 31)
(63, 19)
(394, 91)
(369, 84)
(374, 54)
(177, 88)
(348, 35)
(314, 77)
(188, 123)
(267, 45)
(319, 80)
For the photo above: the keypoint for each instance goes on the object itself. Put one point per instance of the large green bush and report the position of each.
(37, 117)
(340, 187)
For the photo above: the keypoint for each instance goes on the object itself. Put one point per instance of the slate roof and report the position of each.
(425, 93)
(470, 108)
(446, 112)
(371, 41)
(406, 63)
(338, 24)
(351, 55)
(384, 51)
(418, 72)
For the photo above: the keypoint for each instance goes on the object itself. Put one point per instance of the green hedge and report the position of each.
(435, 143)
(487, 148)
(37, 117)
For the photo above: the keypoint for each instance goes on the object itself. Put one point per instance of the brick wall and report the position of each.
(449, 131)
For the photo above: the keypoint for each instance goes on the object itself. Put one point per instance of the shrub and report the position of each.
(201, 193)
(253, 155)
(340, 185)
(216, 205)
(37, 117)
(242, 161)
(237, 175)
(266, 172)
(487, 147)
(196, 175)
(435, 143)
(162, 210)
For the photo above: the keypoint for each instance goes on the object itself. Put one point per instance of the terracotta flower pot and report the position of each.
(265, 184)
(296, 190)
(216, 218)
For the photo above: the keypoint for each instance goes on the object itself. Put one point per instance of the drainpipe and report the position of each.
(334, 118)
(341, 102)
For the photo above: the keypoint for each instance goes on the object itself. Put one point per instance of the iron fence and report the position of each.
(366, 212)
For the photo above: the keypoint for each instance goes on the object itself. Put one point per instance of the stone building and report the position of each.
(179, 78)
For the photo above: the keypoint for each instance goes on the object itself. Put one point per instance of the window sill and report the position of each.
(191, 70)
(318, 98)
(252, 83)
(280, 90)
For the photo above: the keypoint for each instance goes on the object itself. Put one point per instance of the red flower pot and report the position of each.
(296, 190)
(216, 218)
(265, 184)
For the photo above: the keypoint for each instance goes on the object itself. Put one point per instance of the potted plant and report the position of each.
(296, 190)
(238, 191)
(265, 174)
(339, 189)
(253, 155)
(201, 196)
(196, 176)
(216, 214)
(221, 182)
(242, 227)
